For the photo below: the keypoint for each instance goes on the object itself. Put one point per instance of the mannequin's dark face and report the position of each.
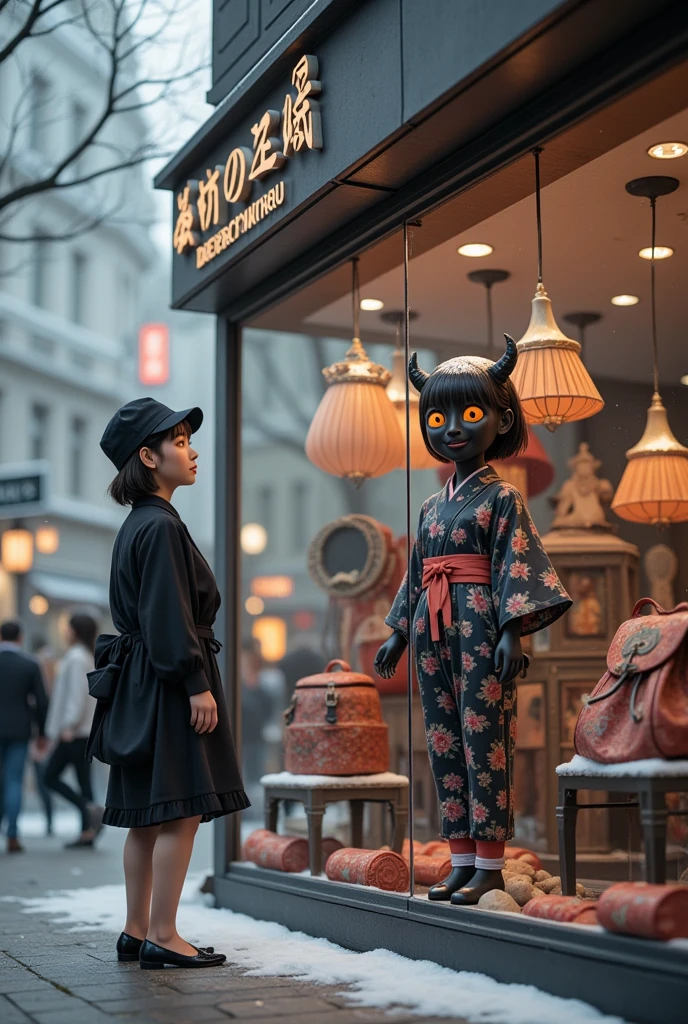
(465, 433)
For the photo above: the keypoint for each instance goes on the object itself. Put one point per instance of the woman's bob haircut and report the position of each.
(134, 480)
(447, 390)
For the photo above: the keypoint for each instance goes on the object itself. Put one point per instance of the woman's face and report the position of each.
(464, 432)
(175, 463)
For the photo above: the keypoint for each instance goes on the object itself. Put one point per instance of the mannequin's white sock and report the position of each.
(461, 860)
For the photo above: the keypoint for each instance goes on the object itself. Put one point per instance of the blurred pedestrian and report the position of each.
(69, 723)
(161, 720)
(23, 707)
(40, 751)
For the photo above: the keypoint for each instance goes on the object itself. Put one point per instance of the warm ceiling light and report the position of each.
(668, 150)
(625, 300)
(38, 605)
(254, 538)
(254, 605)
(662, 252)
(684, 379)
(371, 305)
(475, 249)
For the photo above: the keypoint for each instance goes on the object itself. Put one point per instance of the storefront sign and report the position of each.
(23, 488)
(277, 137)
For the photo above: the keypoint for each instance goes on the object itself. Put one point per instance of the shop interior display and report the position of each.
(355, 431)
(654, 487)
(383, 869)
(475, 548)
(397, 389)
(334, 725)
(552, 382)
(639, 709)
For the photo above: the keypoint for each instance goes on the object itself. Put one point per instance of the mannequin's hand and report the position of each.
(203, 711)
(509, 657)
(389, 655)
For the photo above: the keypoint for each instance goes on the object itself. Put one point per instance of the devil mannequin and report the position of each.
(478, 580)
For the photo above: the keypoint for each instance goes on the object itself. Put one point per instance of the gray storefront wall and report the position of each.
(421, 99)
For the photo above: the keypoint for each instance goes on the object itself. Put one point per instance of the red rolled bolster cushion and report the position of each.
(645, 910)
(381, 868)
(431, 870)
(281, 853)
(568, 909)
(436, 848)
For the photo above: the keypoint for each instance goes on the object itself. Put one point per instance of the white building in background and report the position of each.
(68, 319)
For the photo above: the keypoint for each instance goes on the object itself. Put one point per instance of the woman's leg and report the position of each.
(138, 876)
(171, 858)
(63, 755)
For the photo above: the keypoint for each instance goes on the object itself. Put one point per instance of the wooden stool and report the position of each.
(650, 780)
(316, 791)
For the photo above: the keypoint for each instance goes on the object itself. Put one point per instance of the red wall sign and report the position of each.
(154, 354)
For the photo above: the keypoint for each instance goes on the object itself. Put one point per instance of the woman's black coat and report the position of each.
(162, 588)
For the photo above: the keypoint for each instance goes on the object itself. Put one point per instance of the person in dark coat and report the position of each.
(164, 730)
(23, 707)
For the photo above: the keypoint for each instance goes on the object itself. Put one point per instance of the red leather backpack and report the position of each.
(639, 708)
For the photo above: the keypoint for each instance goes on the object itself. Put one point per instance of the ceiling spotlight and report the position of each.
(684, 379)
(371, 305)
(475, 249)
(662, 252)
(668, 150)
(625, 300)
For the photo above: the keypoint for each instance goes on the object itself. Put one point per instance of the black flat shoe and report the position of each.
(482, 881)
(452, 883)
(154, 958)
(128, 948)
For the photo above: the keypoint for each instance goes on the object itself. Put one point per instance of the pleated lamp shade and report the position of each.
(396, 391)
(355, 431)
(552, 383)
(654, 486)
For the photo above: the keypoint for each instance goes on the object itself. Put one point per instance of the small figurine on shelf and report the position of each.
(479, 580)
(581, 500)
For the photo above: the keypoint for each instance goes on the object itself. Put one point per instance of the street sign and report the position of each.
(23, 488)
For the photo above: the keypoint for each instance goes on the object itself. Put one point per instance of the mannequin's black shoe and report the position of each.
(128, 948)
(482, 881)
(154, 958)
(455, 880)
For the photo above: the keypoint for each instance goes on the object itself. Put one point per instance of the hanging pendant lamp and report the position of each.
(355, 433)
(531, 471)
(396, 392)
(654, 486)
(552, 383)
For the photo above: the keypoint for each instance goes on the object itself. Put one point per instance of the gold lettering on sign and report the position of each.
(202, 205)
(301, 124)
(239, 225)
(184, 235)
(267, 155)
(237, 187)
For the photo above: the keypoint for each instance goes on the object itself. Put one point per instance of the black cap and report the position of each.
(138, 420)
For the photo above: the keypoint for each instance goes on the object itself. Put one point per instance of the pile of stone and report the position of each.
(525, 879)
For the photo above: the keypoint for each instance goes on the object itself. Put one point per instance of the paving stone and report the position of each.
(44, 999)
(11, 1014)
(190, 1016)
(293, 1006)
(83, 1014)
(212, 981)
(160, 998)
(116, 991)
(23, 981)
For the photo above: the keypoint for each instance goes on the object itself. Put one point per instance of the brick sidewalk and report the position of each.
(51, 976)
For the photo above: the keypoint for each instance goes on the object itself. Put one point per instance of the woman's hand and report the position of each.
(203, 711)
(509, 657)
(389, 655)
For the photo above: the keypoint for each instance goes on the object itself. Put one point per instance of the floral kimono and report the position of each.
(470, 717)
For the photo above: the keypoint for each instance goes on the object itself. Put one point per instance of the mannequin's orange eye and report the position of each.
(473, 414)
(436, 419)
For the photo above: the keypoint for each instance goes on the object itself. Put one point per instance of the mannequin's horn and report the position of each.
(419, 378)
(503, 368)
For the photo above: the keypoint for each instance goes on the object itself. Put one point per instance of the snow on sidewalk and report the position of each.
(378, 978)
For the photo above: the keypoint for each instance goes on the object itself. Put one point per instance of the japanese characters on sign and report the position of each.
(277, 137)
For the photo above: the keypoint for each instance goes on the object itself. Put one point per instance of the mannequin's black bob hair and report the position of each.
(134, 480)
(468, 381)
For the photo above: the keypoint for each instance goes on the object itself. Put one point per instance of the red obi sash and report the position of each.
(439, 572)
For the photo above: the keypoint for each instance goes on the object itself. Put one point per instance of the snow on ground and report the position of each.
(378, 978)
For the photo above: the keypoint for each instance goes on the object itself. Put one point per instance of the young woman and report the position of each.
(164, 727)
(70, 714)
(479, 580)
